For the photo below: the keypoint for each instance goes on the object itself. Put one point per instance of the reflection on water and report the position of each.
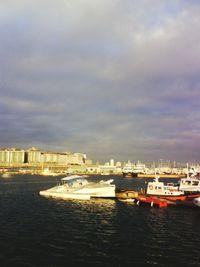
(37, 231)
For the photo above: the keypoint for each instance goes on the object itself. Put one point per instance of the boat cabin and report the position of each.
(158, 188)
(74, 182)
(190, 184)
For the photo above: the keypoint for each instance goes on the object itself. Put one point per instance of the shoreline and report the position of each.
(161, 176)
(177, 176)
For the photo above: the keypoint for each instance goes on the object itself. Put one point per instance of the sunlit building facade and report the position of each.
(12, 156)
(33, 155)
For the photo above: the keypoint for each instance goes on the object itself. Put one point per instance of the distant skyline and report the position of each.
(109, 78)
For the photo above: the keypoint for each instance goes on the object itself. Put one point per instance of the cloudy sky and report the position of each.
(110, 78)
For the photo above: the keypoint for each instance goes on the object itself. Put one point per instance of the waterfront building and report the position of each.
(12, 156)
(33, 155)
(93, 169)
(118, 164)
(62, 158)
(76, 158)
(88, 161)
(66, 158)
(112, 162)
(49, 157)
(80, 158)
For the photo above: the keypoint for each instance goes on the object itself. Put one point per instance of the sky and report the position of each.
(109, 78)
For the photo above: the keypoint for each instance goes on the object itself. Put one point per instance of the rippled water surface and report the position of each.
(37, 231)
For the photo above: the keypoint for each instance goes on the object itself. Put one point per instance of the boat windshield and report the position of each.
(74, 182)
(172, 184)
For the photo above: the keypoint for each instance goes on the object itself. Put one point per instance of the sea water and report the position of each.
(39, 231)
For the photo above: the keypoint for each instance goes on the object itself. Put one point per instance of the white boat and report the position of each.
(174, 192)
(191, 184)
(6, 175)
(158, 188)
(128, 170)
(78, 187)
(196, 201)
(132, 170)
(139, 168)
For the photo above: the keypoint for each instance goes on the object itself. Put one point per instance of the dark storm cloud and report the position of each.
(108, 78)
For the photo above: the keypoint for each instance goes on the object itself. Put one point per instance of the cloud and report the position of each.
(107, 78)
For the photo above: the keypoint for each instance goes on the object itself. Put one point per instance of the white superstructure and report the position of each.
(190, 184)
(160, 189)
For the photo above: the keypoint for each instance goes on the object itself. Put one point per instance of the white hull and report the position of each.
(79, 188)
(196, 201)
(6, 175)
(80, 194)
(65, 195)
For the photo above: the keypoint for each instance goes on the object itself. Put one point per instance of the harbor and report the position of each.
(40, 162)
(102, 232)
(99, 147)
(186, 191)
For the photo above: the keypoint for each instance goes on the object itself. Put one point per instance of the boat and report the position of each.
(196, 201)
(6, 175)
(140, 198)
(190, 185)
(133, 170)
(79, 187)
(128, 171)
(152, 200)
(172, 191)
(126, 195)
(158, 188)
(139, 168)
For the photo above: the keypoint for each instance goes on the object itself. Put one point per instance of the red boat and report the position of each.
(152, 200)
(171, 191)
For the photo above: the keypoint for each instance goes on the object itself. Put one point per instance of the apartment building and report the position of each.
(9, 156)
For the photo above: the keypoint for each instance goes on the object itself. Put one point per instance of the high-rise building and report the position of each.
(33, 155)
(36, 156)
(12, 156)
(112, 162)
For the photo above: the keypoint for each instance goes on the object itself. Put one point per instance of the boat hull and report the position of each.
(152, 201)
(196, 201)
(80, 193)
(126, 195)
(65, 195)
(177, 198)
(129, 174)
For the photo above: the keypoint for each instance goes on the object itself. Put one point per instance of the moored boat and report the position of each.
(196, 201)
(152, 200)
(126, 195)
(139, 168)
(6, 175)
(158, 188)
(172, 191)
(78, 187)
(128, 171)
(190, 185)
